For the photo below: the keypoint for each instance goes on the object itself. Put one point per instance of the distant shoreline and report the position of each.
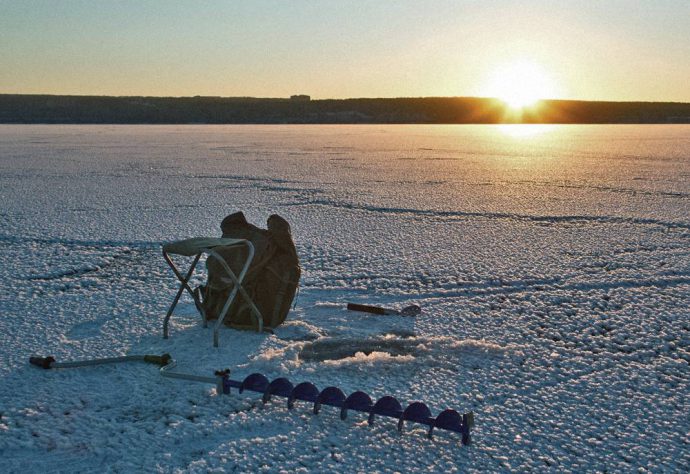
(69, 109)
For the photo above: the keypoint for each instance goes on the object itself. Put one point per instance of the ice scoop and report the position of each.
(412, 310)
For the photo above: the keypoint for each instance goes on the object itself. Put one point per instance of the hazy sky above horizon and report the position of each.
(589, 49)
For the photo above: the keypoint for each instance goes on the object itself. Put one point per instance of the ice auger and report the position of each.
(416, 412)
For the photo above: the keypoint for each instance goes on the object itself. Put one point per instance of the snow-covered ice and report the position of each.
(552, 265)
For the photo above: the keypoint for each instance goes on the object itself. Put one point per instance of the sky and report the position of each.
(575, 49)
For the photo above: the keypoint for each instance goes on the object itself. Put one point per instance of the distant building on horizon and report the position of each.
(300, 98)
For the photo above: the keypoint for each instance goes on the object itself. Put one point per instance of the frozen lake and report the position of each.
(552, 264)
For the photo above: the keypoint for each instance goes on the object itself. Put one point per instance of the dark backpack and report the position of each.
(271, 281)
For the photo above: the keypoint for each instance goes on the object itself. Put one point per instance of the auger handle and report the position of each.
(43, 362)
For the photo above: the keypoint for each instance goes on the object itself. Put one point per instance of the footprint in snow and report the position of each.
(86, 329)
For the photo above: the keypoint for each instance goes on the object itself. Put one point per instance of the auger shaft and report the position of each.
(50, 363)
(388, 406)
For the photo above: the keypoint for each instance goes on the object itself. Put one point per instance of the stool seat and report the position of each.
(195, 245)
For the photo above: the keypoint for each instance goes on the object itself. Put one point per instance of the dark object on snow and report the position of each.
(50, 363)
(412, 310)
(271, 281)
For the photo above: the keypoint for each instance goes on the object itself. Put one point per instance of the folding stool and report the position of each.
(195, 247)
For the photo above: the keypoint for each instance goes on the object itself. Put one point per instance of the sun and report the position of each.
(520, 84)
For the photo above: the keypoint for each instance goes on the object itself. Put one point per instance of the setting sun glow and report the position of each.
(520, 84)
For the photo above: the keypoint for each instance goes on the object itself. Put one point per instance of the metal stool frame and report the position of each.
(236, 280)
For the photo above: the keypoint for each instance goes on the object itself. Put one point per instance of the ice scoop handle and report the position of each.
(364, 308)
(43, 362)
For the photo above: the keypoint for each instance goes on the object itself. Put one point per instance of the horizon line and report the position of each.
(327, 99)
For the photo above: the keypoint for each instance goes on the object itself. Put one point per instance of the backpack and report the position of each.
(271, 280)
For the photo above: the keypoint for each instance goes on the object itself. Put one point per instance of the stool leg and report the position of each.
(238, 287)
(255, 311)
(183, 285)
(223, 313)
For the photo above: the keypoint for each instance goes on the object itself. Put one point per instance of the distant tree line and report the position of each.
(218, 110)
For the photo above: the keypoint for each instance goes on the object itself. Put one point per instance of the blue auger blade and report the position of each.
(255, 383)
(417, 412)
(447, 420)
(281, 386)
(386, 406)
(305, 391)
(358, 401)
(332, 396)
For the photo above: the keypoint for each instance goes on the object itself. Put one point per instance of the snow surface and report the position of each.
(552, 265)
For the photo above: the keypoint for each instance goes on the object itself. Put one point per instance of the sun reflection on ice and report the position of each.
(525, 130)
